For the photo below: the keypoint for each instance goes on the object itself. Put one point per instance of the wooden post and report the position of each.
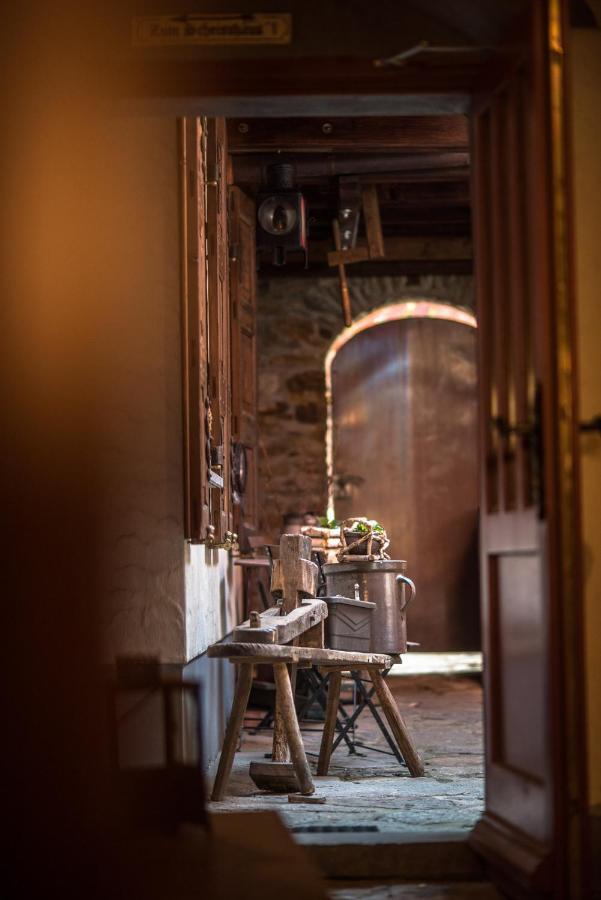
(280, 744)
(344, 290)
(279, 751)
(373, 224)
(241, 695)
(293, 573)
(327, 738)
(295, 742)
(397, 725)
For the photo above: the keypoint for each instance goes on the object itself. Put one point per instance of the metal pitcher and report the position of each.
(384, 583)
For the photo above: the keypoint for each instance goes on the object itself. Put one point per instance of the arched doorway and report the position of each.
(402, 448)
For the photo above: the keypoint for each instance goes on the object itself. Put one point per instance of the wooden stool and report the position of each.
(246, 655)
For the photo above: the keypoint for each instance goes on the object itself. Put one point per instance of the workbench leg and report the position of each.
(280, 744)
(397, 726)
(232, 733)
(279, 752)
(287, 711)
(327, 738)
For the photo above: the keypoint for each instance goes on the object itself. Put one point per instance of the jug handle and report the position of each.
(402, 579)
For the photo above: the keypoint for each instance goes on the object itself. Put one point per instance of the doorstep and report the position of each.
(373, 855)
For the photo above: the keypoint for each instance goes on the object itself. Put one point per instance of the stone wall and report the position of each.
(298, 320)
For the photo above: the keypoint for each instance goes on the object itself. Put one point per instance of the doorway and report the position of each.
(527, 410)
(417, 170)
(401, 388)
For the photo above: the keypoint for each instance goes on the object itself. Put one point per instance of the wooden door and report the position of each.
(243, 293)
(531, 829)
(404, 417)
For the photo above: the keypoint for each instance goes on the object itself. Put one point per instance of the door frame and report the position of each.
(337, 86)
(408, 308)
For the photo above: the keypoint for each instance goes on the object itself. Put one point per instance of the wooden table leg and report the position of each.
(287, 711)
(397, 726)
(234, 725)
(279, 751)
(327, 738)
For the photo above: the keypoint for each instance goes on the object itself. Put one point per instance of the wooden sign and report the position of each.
(214, 29)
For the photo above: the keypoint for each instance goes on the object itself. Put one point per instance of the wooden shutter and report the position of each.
(532, 828)
(219, 331)
(194, 330)
(243, 292)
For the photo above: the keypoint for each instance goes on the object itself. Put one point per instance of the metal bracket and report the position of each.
(349, 190)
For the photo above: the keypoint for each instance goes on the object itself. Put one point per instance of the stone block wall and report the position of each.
(298, 319)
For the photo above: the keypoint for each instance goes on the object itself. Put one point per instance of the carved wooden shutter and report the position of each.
(243, 289)
(194, 330)
(219, 332)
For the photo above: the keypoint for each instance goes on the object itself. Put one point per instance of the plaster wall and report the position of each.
(297, 323)
(164, 597)
(586, 146)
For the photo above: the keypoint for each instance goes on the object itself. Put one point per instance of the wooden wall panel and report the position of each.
(219, 331)
(205, 332)
(194, 330)
(243, 284)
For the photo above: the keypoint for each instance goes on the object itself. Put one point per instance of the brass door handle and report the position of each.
(531, 435)
(593, 424)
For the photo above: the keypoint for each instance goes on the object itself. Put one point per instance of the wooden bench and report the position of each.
(330, 662)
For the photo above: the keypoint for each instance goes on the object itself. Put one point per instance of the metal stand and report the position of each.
(317, 685)
(366, 702)
(345, 723)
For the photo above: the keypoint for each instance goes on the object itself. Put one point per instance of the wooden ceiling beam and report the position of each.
(426, 167)
(399, 249)
(351, 134)
(295, 268)
(318, 201)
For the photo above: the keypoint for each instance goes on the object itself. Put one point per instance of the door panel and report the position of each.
(530, 579)
(518, 582)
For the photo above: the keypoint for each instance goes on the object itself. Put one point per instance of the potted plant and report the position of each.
(363, 537)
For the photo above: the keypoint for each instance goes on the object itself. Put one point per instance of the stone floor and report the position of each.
(420, 891)
(369, 790)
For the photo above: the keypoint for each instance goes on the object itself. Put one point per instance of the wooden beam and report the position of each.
(277, 629)
(255, 653)
(373, 223)
(396, 248)
(294, 574)
(427, 166)
(382, 268)
(405, 200)
(356, 135)
(345, 296)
